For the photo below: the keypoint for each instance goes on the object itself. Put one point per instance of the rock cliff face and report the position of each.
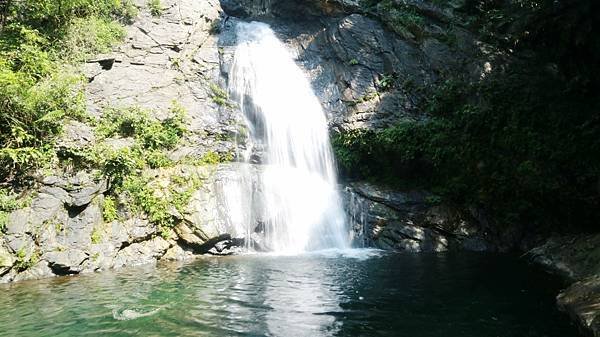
(367, 67)
(411, 221)
(174, 57)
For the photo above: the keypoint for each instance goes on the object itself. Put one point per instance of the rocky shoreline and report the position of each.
(577, 260)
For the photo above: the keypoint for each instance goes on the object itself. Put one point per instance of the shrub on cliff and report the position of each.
(38, 89)
(523, 142)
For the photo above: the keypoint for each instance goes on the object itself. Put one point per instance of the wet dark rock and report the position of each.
(229, 246)
(287, 9)
(581, 301)
(576, 258)
(572, 257)
(409, 221)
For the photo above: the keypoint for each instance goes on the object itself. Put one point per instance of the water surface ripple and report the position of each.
(350, 293)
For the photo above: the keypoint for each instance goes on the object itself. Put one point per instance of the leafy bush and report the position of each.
(52, 14)
(162, 198)
(90, 36)
(37, 90)
(526, 150)
(119, 164)
(32, 115)
(399, 16)
(149, 133)
(155, 6)
(219, 95)
(109, 209)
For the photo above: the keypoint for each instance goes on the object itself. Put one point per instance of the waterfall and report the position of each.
(301, 207)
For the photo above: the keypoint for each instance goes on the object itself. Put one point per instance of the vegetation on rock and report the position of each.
(155, 6)
(39, 89)
(522, 142)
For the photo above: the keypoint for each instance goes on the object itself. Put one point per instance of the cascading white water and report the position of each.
(301, 207)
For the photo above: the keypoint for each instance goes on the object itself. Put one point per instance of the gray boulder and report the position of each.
(147, 252)
(6, 260)
(39, 271)
(69, 261)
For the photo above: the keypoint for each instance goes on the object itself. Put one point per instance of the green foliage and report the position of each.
(157, 159)
(209, 158)
(109, 209)
(525, 149)
(386, 82)
(32, 115)
(86, 37)
(125, 167)
(149, 133)
(399, 16)
(155, 6)
(219, 95)
(96, 236)
(563, 31)
(119, 164)
(163, 198)
(52, 14)
(522, 143)
(365, 98)
(151, 139)
(38, 92)
(24, 262)
(3, 220)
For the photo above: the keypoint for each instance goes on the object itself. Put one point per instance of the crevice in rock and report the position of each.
(74, 211)
(443, 232)
(6, 271)
(206, 246)
(62, 270)
(174, 48)
(147, 33)
(405, 236)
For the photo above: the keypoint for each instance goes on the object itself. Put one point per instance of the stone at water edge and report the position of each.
(582, 302)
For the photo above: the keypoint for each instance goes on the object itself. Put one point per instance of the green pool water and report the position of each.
(335, 293)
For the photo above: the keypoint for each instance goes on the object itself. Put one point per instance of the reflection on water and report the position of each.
(333, 293)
